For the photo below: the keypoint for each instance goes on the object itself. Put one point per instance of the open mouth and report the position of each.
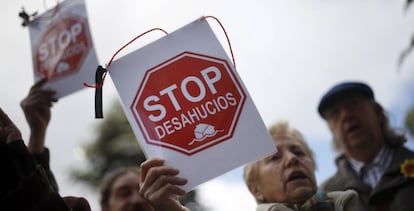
(297, 175)
(353, 128)
(351, 125)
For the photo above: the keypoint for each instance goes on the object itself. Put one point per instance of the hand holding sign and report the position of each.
(160, 185)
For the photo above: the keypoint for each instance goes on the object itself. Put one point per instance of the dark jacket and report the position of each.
(24, 183)
(394, 191)
(43, 160)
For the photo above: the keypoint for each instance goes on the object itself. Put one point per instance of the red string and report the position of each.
(110, 61)
(227, 37)
(100, 84)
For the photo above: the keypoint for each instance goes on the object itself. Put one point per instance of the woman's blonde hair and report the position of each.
(276, 130)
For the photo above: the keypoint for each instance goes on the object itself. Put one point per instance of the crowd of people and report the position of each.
(370, 175)
(370, 172)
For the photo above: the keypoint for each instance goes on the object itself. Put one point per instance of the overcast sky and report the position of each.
(287, 52)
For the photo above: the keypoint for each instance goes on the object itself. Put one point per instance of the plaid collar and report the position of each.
(382, 160)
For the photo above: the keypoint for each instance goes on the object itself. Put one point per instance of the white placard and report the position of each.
(187, 104)
(62, 48)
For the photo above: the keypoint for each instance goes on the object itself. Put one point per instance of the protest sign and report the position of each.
(187, 104)
(62, 47)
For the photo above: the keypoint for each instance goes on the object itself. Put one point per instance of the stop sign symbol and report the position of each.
(62, 48)
(188, 103)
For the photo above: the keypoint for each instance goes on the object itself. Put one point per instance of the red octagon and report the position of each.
(188, 103)
(62, 48)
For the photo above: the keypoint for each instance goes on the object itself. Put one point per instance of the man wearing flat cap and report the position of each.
(372, 159)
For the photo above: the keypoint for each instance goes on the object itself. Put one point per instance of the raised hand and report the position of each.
(36, 107)
(160, 185)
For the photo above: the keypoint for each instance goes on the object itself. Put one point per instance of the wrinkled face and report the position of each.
(288, 175)
(125, 195)
(355, 122)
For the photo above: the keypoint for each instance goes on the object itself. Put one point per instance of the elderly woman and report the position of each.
(286, 180)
